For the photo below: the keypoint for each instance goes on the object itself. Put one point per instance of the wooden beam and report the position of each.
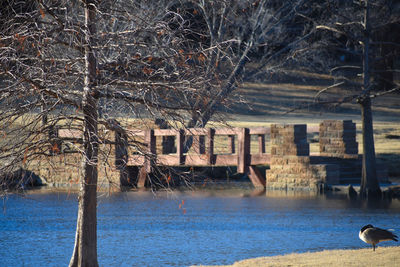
(142, 178)
(259, 130)
(180, 138)
(202, 131)
(165, 132)
(210, 145)
(244, 150)
(201, 160)
(150, 140)
(196, 131)
(225, 131)
(256, 176)
(257, 159)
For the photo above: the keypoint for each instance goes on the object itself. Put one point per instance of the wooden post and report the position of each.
(150, 140)
(142, 178)
(244, 150)
(256, 177)
(261, 144)
(180, 138)
(231, 144)
(210, 146)
(150, 155)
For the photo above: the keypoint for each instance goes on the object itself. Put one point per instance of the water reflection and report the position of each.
(372, 204)
(181, 228)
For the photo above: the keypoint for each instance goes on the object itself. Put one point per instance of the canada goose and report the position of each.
(373, 235)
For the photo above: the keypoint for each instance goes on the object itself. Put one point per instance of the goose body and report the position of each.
(373, 235)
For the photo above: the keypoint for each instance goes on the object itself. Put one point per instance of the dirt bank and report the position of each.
(383, 256)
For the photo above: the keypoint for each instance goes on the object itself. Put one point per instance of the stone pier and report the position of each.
(291, 165)
(338, 139)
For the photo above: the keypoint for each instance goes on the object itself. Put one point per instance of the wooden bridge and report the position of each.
(289, 158)
(204, 152)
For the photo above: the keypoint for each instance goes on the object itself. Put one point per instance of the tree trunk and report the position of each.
(369, 181)
(85, 249)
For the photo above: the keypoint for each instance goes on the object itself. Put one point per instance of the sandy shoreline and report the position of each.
(383, 256)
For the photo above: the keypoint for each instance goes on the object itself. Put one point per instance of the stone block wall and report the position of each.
(289, 140)
(338, 139)
(58, 170)
(291, 167)
(65, 169)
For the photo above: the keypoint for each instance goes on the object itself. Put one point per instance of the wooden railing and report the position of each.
(203, 150)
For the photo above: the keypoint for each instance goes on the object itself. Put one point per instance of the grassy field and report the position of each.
(295, 95)
(280, 102)
(383, 256)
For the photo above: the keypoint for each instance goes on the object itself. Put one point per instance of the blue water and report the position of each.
(219, 227)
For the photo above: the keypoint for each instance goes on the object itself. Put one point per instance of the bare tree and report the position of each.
(79, 65)
(231, 40)
(234, 35)
(85, 249)
(347, 37)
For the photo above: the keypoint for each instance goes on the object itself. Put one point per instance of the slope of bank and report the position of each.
(383, 256)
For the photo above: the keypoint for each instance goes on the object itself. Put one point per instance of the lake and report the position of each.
(184, 228)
